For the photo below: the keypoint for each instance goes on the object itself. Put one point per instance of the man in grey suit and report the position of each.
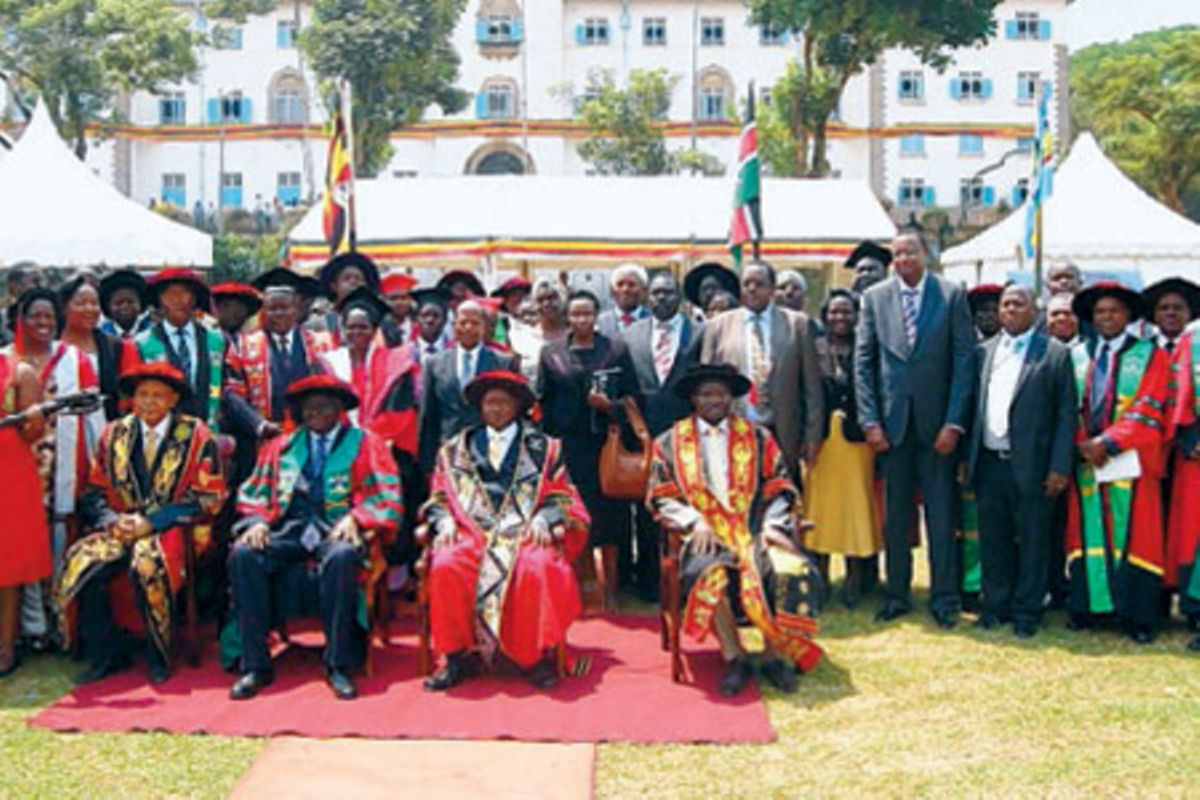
(773, 347)
(627, 287)
(661, 349)
(913, 377)
(1019, 456)
(444, 409)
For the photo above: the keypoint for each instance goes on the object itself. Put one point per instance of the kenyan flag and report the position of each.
(746, 225)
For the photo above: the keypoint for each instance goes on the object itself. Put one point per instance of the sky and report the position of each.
(1092, 21)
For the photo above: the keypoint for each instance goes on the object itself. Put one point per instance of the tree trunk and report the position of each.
(820, 158)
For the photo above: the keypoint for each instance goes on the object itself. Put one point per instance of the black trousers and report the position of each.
(1014, 526)
(99, 636)
(908, 466)
(251, 572)
(647, 566)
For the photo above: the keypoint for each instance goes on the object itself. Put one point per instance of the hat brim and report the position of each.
(199, 288)
(111, 284)
(868, 249)
(450, 278)
(1180, 286)
(739, 385)
(1084, 304)
(127, 384)
(726, 277)
(334, 267)
(349, 399)
(479, 387)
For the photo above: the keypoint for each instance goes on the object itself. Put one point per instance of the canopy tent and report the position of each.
(1096, 218)
(501, 221)
(57, 213)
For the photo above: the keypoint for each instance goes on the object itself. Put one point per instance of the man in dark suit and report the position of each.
(774, 348)
(628, 291)
(444, 409)
(1019, 457)
(913, 377)
(661, 349)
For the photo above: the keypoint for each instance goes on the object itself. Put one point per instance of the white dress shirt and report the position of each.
(474, 353)
(750, 316)
(714, 457)
(500, 442)
(160, 434)
(1007, 361)
(920, 288)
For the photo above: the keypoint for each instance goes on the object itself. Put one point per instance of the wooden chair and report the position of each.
(670, 613)
(424, 648)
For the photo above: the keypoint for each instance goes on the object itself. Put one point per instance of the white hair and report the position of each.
(629, 268)
(793, 276)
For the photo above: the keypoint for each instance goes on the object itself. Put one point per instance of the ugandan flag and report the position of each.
(746, 225)
(1043, 170)
(335, 207)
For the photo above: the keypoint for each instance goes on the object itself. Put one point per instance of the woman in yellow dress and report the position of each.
(839, 493)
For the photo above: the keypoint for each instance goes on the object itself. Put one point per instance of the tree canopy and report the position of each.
(81, 55)
(841, 38)
(625, 134)
(396, 56)
(1142, 100)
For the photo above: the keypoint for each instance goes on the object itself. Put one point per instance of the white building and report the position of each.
(249, 127)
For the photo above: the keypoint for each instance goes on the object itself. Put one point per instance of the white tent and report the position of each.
(1096, 218)
(57, 213)
(590, 221)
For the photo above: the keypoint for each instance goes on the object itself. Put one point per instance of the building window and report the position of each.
(288, 107)
(911, 86)
(285, 34)
(231, 190)
(174, 189)
(287, 188)
(227, 37)
(233, 108)
(913, 192)
(970, 144)
(592, 31)
(1020, 192)
(712, 31)
(970, 86)
(712, 103)
(1027, 86)
(1025, 144)
(1026, 25)
(654, 31)
(912, 145)
(172, 109)
(772, 35)
(975, 194)
(498, 29)
(766, 95)
(498, 100)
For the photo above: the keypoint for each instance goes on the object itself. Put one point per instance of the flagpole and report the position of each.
(1037, 253)
(351, 204)
(757, 233)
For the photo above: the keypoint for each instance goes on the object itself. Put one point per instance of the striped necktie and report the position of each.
(910, 315)
(664, 358)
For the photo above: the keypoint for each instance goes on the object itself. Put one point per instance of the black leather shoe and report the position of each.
(971, 603)
(1194, 645)
(158, 674)
(542, 676)
(1079, 622)
(779, 675)
(890, 611)
(1024, 630)
(250, 684)
(946, 620)
(987, 622)
(737, 673)
(340, 682)
(1142, 635)
(100, 670)
(447, 677)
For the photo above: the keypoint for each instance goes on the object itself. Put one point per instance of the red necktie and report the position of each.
(627, 319)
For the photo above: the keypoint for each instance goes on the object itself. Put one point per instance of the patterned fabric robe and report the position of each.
(184, 482)
(250, 361)
(775, 590)
(1183, 520)
(492, 589)
(1114, 539)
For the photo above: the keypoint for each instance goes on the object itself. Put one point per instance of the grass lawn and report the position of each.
(893, 710)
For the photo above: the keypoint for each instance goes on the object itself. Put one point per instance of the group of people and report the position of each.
(292, 442)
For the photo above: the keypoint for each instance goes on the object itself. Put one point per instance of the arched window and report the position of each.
(497, 100)
(288, 98)
(715, 95)
(499, 158)
(499, 23)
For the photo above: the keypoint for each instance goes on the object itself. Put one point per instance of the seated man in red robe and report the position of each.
(722, 481)
(507, 523)
(154, 470)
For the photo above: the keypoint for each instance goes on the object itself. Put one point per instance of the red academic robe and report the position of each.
(527, 597)
(250, 359)
(1183, 516)
(386, 384)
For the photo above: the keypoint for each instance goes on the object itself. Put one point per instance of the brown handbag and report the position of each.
(624, 474)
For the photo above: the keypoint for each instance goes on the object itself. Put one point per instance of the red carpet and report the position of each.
(625, 694)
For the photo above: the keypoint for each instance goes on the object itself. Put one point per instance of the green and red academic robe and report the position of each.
(776, 590)
(1183, 516)
(494, 589)
(210, 377)
(1114, 538)
(183, 483)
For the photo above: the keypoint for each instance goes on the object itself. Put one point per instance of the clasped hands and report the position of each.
(346, 530)
(704, 542)
(538, 532)
(128, 528)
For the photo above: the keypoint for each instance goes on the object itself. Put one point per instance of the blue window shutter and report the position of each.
(245, 117)
(987, 88)
(481, 30)
(989, 195)
(930, 196)
(1010, 29)
(518, 30)
(281, 36)
(214, 111)
(900, 196)
(481, 108)
(787, 37)
(1044, 29)
(920, 86)
(1016, 196)
(956, 88)
(579, 33)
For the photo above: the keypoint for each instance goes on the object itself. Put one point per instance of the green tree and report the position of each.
(625, 127)
(396, 56)
(841, 38)
(82, 55)
(1142, 100)
(243, 257)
